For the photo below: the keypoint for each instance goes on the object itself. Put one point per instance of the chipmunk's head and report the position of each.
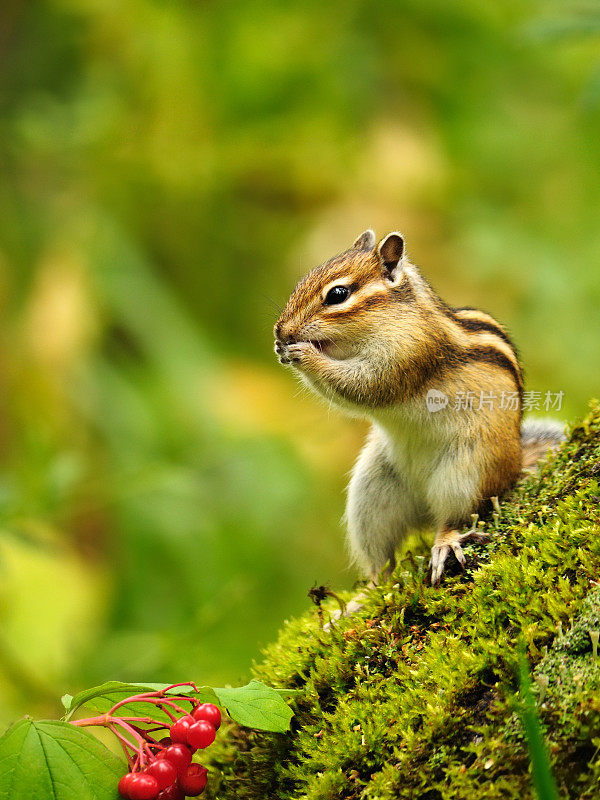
(340, 306)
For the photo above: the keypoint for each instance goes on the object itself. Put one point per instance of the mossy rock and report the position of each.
(414, 697)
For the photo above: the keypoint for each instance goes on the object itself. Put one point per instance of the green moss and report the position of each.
(414, 696)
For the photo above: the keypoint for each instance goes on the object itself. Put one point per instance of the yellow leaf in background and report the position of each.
(52, 605)
(60, 319)
(250, 399)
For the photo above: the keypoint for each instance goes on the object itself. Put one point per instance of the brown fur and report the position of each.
(419, 344)
(377, 354)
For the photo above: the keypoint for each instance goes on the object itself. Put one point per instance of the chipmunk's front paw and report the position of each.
(446, 541)
(299, 354)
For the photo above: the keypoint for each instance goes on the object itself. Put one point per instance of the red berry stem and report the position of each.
(145, 732)
(161, 703)
(113, 723)
(166, 711)
(140, 741)
(125, 744)
(153, 697)
(108, 718)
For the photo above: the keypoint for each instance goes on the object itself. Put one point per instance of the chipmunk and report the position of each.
(367, 332)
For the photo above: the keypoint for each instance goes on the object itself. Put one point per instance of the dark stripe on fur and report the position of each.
(375, 301)
(490, 355)
(477, 324)
(484, 325)
(481, 325)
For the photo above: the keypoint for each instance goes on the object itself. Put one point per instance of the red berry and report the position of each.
(178, 754)
(124, 785)
(193, 780)
(201, 734)
(180, 728)
(172, 793)
(143, 787)
(164, 771)
(209, 713)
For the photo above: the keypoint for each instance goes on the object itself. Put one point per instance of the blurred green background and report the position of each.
(169, 170)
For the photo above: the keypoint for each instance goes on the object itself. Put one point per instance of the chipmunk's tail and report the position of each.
(538, 436)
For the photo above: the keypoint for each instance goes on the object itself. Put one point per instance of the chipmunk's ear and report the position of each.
(391, 250)
(366, 241)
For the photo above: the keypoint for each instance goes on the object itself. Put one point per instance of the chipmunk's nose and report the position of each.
(283, 334)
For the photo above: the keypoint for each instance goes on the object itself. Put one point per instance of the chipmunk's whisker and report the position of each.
(275, 305)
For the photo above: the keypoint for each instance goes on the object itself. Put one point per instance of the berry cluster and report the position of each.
(170, 774)
(162, 769)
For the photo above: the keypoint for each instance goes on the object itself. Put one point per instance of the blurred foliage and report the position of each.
(169, 171)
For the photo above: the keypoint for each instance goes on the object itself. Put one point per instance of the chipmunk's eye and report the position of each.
(336, 295)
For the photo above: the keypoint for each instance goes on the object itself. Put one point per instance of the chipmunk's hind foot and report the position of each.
(451, 540)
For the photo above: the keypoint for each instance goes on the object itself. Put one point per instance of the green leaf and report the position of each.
(51, 760)
(288, 692)
(543, 779)
(101, 699)
(66, 700)
(254, 705)
(112, 689)
(257, 706)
